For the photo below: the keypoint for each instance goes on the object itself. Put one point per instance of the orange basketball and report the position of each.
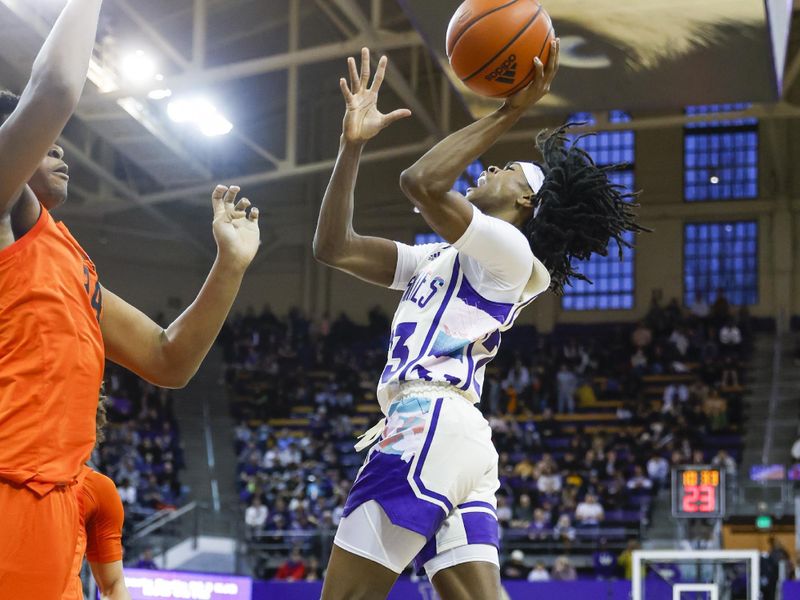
(491, 44)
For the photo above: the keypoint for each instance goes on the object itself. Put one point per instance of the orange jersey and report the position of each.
(100, 532)
(51, 357)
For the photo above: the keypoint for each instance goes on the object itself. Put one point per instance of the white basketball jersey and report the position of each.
(444, 330)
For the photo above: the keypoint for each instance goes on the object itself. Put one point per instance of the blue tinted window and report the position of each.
(720, 157)
(427, 238)
(721, 256)
(467, 180)
(614, 281)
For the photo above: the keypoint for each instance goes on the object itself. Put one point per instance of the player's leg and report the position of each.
(350, 576)
(467, 580)
(369, 553)
(38, 540)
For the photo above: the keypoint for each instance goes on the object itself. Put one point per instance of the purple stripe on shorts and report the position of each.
(481, 528)
(437, 408)
(478, 503)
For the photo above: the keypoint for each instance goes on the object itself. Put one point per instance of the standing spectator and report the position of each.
(721, 309)
(539, 573)
(515, 567)
(626, 559)
(255, 517)
(563, 570)
(726, 462)
(642, 336)
(567, 385)
(796, 450)
(604, 561)
(589, 512)
(293, 569)
(658, 469)
(518, 379)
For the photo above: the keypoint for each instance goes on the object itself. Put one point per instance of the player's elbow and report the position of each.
(420, 187)
(324, 252)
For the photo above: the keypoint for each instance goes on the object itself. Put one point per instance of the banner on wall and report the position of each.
(406, 589)
(147, 585)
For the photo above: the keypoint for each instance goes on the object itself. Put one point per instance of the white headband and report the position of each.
(535, 176)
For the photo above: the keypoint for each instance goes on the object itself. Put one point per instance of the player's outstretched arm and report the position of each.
(428, 183)
(110, 580)
(49, 99)
(170, 357)
(336, 243)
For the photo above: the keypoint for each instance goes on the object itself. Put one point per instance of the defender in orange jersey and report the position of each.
(58, 324)
(99, 537)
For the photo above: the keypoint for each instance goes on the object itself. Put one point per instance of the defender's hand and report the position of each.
(235, 231)
(540, 86)
(363, 121)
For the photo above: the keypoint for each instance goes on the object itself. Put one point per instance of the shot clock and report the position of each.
(698, 492)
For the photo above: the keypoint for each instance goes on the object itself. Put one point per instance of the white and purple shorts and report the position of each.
(427, 488)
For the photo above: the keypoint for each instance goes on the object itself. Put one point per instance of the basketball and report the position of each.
(491, 44)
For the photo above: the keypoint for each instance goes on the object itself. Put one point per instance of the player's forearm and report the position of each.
(186, 342)
(63, 61)
(438, 170)
(116, 592)
(335, 224)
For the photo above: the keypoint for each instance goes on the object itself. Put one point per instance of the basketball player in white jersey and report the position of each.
(426, 492)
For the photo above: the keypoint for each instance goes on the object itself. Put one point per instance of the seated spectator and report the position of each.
(639, 481)
(313, 570)
(700, 307)
(549, 482)
(293, 569)
(127, 492)
(504, 514)
(589, 512)
(539, 573)
(563, 570)
(523, 511)
(680, 341)
(515, 567)
(675, 394)
(730, 338)
(255, 517)
(146, 560)
(539, 527)
(564, 531)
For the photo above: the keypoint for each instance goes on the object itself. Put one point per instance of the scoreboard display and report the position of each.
(698, 492)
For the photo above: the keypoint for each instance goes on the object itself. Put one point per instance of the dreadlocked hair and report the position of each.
(101, 419)
(8, 104)
(579, 209)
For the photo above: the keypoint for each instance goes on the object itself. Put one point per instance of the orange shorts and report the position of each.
(37, 544)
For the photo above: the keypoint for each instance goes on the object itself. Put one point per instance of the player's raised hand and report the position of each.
(363, 121)
(540, 86)
(235, 230)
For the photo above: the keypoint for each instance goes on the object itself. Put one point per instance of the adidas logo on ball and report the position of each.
(505, 73)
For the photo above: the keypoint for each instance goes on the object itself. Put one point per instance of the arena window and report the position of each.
(721, 256)
(720, 157)
(614, 281)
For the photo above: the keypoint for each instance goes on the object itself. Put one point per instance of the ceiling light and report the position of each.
(138, 67)
(201, 113)
(159, 94)
(714, 180)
